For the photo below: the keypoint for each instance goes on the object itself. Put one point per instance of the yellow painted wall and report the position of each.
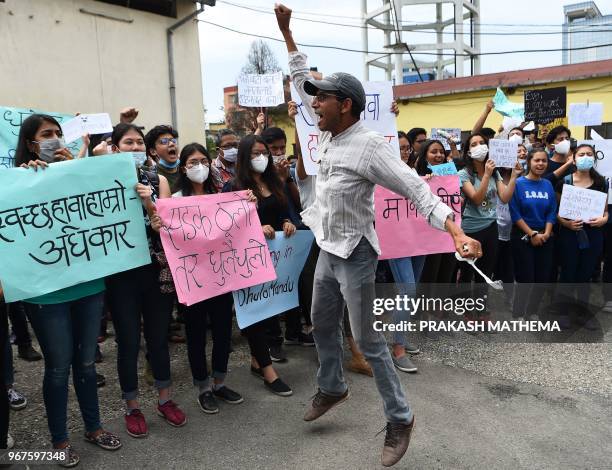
(463, 109)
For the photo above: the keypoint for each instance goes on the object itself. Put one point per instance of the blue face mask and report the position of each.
(168, 166)
(584, 163)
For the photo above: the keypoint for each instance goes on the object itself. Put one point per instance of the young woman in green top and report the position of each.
(66, 322)
(482, 187)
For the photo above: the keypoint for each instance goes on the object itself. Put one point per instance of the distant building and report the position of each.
(94, 56)
(585, 27)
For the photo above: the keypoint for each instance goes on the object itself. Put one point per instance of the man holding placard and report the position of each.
(353, 161)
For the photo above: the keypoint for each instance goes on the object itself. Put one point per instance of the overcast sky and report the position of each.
(224, 52)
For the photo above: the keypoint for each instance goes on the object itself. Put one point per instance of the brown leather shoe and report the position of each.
(396, 442)
(322, 403)
(359, 366)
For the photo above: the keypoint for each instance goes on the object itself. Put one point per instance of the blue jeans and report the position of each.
(67, 335)
(338, 280)
(406, 272)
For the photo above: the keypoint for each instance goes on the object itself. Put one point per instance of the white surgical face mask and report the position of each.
(515, 138)
(198, 173)
(479, 152)
(230, 155)
(139, 157)
(48, 148)
(563, 147)
(259, 164)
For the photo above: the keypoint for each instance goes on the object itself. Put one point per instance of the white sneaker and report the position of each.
(10, 442)
(607, 307)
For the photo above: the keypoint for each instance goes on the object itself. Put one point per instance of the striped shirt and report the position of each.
(351, 164)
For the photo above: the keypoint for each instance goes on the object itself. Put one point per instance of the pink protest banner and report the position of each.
(403, 232)
(214, 244)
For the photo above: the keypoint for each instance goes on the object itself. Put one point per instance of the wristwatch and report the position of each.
(533, 234)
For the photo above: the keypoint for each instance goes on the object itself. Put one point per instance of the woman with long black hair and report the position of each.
(581, 242)
(66, 322)
(482, 187)
(255, 170)
(196, 179)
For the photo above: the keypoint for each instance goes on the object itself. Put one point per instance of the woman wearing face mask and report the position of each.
(482, 186)
(66, 321)
(255, 171)
(42, 140)
(533, 209)
(561, 161)
(135, 298)
(581, 242)
(196, 180)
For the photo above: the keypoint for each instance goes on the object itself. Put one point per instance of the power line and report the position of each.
(346, 49)
(266, 10)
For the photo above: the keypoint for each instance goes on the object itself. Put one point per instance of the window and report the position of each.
(605, 130)
(159, 7)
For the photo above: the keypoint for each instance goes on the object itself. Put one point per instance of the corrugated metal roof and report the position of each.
(560, 73)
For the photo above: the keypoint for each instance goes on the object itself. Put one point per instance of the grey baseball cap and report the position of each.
(340, 83)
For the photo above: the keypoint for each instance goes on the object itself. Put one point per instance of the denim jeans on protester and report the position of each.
(19, 323)
(352, 280)
(406, 273)
(134, 299)
(219, 311)
(67, 335)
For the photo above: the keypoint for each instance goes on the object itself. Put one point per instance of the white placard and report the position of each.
(260, 91)
(91, 124)
(442, 133)
(503, 152)
(585, 114)
(377, 116)
(581, 203)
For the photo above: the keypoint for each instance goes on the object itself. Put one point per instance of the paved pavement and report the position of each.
(463, 421)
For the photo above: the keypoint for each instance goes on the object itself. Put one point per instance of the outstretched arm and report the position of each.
(298, 65)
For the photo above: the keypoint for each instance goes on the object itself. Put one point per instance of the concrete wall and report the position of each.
(57, 59)
(463, 109)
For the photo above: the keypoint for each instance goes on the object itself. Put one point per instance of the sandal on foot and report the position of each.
(105, 440)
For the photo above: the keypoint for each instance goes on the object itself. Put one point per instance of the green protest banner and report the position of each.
(72, 222)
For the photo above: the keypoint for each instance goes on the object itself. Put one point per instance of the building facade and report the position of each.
(584, 28)
(94, 56)
(458, 102)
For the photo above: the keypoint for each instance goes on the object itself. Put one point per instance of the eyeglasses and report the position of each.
(192, 163)
(229, 146)
(321, 97)
(420, 141)
(167, 140)
(255, 155)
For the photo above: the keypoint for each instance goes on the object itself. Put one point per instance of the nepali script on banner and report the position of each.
(403, 232)
(377, 116)
(73, 222)
(214, 244)
(10, 124)
(262, 301)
